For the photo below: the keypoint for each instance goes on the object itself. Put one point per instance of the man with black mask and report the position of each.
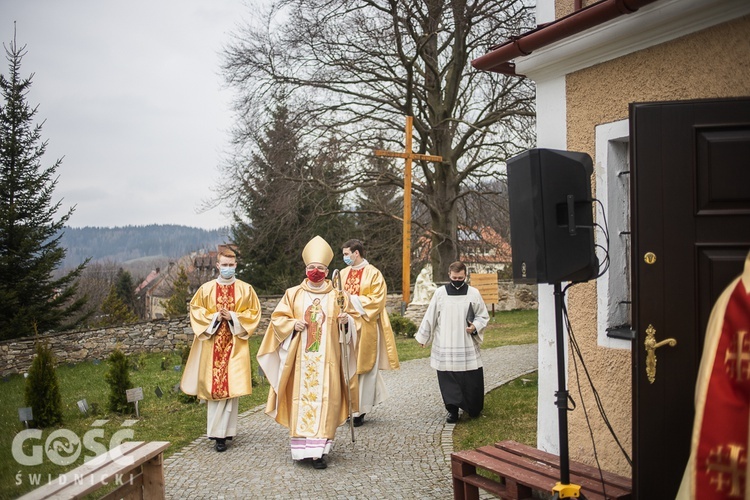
(454, 323)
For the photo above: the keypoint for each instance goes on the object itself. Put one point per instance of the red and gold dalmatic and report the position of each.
(368, 283)
(718, 465)
(219, 365)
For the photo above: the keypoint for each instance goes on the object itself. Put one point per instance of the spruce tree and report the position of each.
(30, 250)
(177, 303)
(125, 289)
(42, 391)
(281, 204)
(114, 311)
(118, 378)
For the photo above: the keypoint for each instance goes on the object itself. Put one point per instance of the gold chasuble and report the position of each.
(372, 319)
(218, 366)
(304, 368)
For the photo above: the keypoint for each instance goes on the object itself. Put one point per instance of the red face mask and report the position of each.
(316, 275)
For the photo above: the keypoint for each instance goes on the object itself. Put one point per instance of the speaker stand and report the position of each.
(563, 489)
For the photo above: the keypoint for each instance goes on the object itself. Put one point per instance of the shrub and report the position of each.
(402, 325)
(42, 391)
(118, 379)
(137, 362)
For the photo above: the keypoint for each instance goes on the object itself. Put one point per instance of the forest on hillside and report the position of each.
(128, 243)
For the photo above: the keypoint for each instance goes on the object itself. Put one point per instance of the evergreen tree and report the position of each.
(177, 303)
(281, 205)
(42, 391)
(118, 378)
(125, 289)
(114, 311)
(30, 249)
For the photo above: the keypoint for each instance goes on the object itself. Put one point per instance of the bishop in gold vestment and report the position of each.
(301, 357)
(223, 313)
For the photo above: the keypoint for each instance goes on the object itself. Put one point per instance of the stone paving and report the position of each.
(401, 452)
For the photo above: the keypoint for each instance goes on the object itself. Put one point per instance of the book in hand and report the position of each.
(470, 315)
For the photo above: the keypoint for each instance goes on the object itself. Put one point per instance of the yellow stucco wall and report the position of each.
(565, 7)
(708, 64)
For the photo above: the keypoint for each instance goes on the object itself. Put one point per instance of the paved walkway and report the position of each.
(402, 451)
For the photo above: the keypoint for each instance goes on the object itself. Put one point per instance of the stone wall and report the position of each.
(73, 347)
(512, 296)
(164, 335)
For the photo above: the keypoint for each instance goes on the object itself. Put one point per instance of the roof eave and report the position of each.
(499, 59)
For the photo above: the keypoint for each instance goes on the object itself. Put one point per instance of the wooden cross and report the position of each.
(408, 156)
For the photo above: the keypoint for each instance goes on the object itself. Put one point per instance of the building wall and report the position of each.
(709, 64)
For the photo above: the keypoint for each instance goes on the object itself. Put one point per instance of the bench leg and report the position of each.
(516, 491)
(462, 490)
(153, 479)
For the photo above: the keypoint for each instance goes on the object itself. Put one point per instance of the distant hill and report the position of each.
(132, 243)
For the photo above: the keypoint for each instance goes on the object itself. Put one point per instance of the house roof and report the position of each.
(148, 282)
(206, 260)
(478, 245)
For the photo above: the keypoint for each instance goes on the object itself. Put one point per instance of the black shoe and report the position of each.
(319, 463)
(452, 418)
(221, 444)
(360, 420)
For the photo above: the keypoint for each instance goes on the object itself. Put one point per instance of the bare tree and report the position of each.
(354, 69)
(94, 284)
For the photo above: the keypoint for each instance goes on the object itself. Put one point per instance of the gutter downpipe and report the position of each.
(498, 60)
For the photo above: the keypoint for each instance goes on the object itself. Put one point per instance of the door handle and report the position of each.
(651, 346)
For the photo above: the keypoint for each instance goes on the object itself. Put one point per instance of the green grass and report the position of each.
(509, 413)
(505, 328)
(169, 419)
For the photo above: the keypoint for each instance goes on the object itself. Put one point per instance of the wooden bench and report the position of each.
(135, 467)
(523, 469)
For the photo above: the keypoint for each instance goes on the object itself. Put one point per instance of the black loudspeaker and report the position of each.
(551, 216)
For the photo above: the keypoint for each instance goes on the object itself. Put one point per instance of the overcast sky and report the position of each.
(133, 101)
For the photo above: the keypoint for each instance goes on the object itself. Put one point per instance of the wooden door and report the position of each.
(690, 208)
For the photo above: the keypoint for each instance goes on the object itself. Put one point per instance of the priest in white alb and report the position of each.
(223, 314)
(302, 358)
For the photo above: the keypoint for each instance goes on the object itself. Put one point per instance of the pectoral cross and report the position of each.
(408, 156)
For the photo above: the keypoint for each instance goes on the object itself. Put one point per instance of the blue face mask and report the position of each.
(226, 272)
(348, 260)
